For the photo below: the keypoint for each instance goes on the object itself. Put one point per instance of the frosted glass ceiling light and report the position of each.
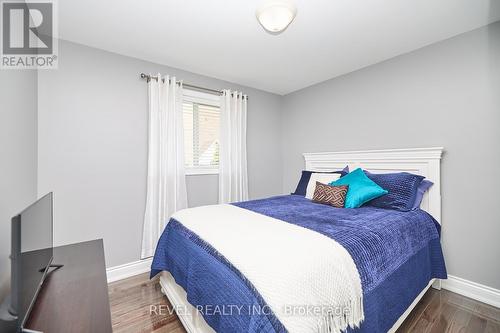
(276, 15)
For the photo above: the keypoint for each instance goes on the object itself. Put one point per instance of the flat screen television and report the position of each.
(31, 256)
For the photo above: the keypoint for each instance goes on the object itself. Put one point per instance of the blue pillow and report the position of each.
(361, 188)
(306, 175)
(422, 188)
(402, 187)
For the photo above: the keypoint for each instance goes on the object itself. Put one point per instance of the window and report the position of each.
(201, 132)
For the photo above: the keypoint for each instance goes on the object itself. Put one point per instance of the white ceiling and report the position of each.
(223, 39)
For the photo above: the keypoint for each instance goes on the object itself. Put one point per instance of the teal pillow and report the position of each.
(361, 188)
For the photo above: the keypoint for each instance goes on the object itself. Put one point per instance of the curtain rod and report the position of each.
(187, 85)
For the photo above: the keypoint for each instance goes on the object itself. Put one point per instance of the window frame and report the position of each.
(199, 97)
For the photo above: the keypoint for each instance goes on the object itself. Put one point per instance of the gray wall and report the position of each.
(446, 94)
(93, 146)
(18, 92)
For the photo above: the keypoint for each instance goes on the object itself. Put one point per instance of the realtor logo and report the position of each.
(28, 31)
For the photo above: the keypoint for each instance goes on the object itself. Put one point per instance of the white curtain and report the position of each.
(166, 183)
(233, 179)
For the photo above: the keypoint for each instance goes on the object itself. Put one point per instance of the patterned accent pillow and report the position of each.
(330, 195)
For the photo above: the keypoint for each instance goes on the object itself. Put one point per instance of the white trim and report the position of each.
(127, 270)
(381, 154)
(474, 290)
(421, 161)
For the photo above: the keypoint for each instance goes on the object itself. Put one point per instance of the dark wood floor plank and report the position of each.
(443, 321)
(131, 302)
(429, 316)
(476, 324)
(492, 327)
(463, 302)
(437, 312)
(459, 321)
(488, 312)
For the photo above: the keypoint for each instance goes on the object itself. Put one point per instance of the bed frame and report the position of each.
(422, 161)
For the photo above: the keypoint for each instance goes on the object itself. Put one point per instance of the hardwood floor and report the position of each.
(131, 301)
(442, 311)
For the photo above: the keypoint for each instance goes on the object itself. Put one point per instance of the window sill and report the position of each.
(201, 171)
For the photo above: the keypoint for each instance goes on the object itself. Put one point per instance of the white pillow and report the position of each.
(323, 178)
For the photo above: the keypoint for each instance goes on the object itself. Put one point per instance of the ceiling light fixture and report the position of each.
(276, 15)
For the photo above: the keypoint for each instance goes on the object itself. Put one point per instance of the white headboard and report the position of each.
(422, 161)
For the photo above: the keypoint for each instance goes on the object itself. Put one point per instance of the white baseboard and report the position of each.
(476, 291)
(129, 269)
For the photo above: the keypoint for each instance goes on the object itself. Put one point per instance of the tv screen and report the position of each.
(31, 255)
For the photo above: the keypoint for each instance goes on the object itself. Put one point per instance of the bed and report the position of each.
(397, 254)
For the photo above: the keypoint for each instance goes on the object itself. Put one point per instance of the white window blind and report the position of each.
(201, 137)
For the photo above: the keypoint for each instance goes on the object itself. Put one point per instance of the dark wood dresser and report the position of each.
(74, 298)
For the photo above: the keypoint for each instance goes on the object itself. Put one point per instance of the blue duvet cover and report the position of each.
(396, 253)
